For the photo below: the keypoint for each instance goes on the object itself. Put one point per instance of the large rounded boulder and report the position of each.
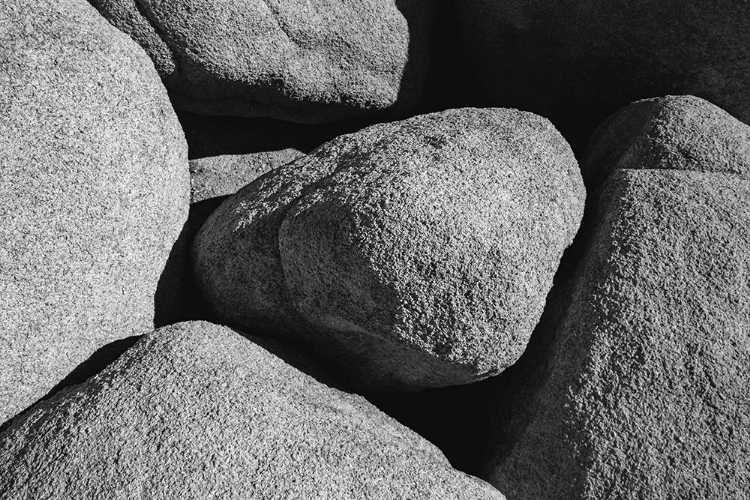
(309, 62)
(94, 193)
(196, 411)
(409, 255)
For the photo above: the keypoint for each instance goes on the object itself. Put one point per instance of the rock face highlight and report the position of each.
(305, 62)
(673, 132)
(408, 255)
(93, 193)
(577, 62)
(644, 394)
(196, 410)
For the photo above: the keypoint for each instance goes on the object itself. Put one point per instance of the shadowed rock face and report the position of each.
(196, 410)
(408, 255)
(308, 62)
(672, 132)
(94, 192)
(645, 394)
(576, 62)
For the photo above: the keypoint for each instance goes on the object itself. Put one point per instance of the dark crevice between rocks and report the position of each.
(450, 81)
(231, 135)
(455, 419)
(170, 298)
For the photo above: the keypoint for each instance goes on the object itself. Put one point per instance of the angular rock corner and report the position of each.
(408, 255)
(272, 250)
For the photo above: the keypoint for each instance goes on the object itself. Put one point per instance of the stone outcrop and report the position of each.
(641, 391)
(93, 194)
(196, 410)
(673, 132)
(304, 62)
(412, 254)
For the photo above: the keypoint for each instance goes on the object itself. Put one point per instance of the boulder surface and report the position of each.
(409, 255)
(93, 193)
(196, 410)
(309, 62)
(645, 390)
(673, 132)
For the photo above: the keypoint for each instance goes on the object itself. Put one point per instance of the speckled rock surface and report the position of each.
(93, 193)
(198, 411)
(577, 62)
(412, 254)
(646, 392)
(672, 132)
(216, 176)
(305, 62)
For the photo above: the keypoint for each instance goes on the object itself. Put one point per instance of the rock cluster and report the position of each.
(645, 392)
(229, 300)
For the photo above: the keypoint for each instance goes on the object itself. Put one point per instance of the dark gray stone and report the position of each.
(578, 62)
(196, 411)
(305, 62)
(409, 255)
(644, 393)
(93, 193)
(672, 132)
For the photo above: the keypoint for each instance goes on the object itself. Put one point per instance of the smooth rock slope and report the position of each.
(408, 255)
(309, 62)
(93, 194)
(196, 410)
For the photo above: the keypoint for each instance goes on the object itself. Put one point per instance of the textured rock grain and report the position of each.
(307, 62)
(646, 391)
(412, 254)
(672, 132)
(93, 193)
(218, 176)
(197, 411)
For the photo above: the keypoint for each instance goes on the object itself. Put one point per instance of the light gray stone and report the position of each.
(94, 192)
(196, 411)
(672, 132)
(645, 391)
(409, 255)
(309, 62)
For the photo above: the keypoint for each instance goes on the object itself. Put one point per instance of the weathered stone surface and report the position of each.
(412, 254)
(217, 176)
(645, 393)
(577, 62)
(305, 62)
(93, 193)
(196, 410)
(672, 132)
